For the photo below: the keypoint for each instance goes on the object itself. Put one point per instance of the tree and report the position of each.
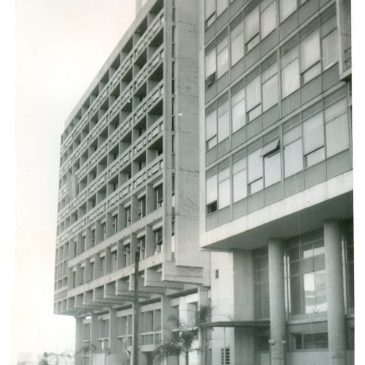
(182, 337)
(53, 358)
(86, 350)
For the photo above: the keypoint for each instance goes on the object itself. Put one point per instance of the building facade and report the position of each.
(128, 182)
(277, 175)
(216, 142)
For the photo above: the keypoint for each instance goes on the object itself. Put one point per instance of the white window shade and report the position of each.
(337, 135)
(212, 189)
(329, 49)
(252, 24)
(310, 51)
(272, 165)
(209, 8)
(223, 122)
(270, 93)
(313, 133)
(221, 6)
(211, 125)
(210, 63)
(237, 44)
(255, 165)
(290, 79)
(287, 7)
(253, 93)
(239, 185)
(268, 20)
(222, 58)
(293, 158)
(270, 148)
(224, 189)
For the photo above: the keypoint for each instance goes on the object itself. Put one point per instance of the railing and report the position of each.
(151, 338)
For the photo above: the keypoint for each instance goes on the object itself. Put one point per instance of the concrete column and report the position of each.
(78, 343)
(277, 302)
(335, 294)
(115, 351)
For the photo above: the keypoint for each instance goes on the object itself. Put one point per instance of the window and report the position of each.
(349, 262)
(253, 95)
(127, 216)
(237, 44)
(337, 128)
(268, 18)
(238, 110)
(287, 7)
(224, 188)
(114, 223)
(113, 261)
(255, 171)
(127, 255)
(159, 196)
(272, 163)
(329, 50)
(261, 283)
(212, 194)
(270, 87)
(290, 80)
(310, 57)
(142, 207)
(252, 29)
(158, 239)
(223, 122)
(221, 6)
(222, 57)
(209, 12)
(306, 341)
(239, 180)
(313, 140)
(141, 245)
(210, 67)
(307, 276)
(103, 231)
(102, 266)
(293, 152)
(92, 237)
(211, 129)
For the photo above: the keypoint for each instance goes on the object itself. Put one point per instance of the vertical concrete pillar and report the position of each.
(277, 302)
(78, 343)
(115, 351)
(335, 294)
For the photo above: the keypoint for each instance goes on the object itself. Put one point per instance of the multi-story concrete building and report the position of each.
(261, 91)
(277, 176)
(129, 177)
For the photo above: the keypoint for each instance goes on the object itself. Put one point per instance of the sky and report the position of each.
(59, 48)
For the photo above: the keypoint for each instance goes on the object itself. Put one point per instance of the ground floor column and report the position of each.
(335, 293)
(78, 339)
(277, 302)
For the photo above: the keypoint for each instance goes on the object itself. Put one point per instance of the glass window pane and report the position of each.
(211, 189)
(310, 51)
(309, 293)
(270, 93)
(311, 73)
(256, 186)
(336, 109)
(253, 93)
(222, 60)
(290, 78)
(292, 135)
(252, 24)
(238, 115)
(255, 168)
(268, 20)
(237, 44)
(315, 157)
(223, 122)
(239, 185)
(287, 7)
(293, 158)
(209, 8)
(210, 63)
(239, 165)
(211, 125)
(295, 294)
(329, 49)
(224, 193)
(221, 6)
(337, 135)
(313, 133)
(272, 169)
